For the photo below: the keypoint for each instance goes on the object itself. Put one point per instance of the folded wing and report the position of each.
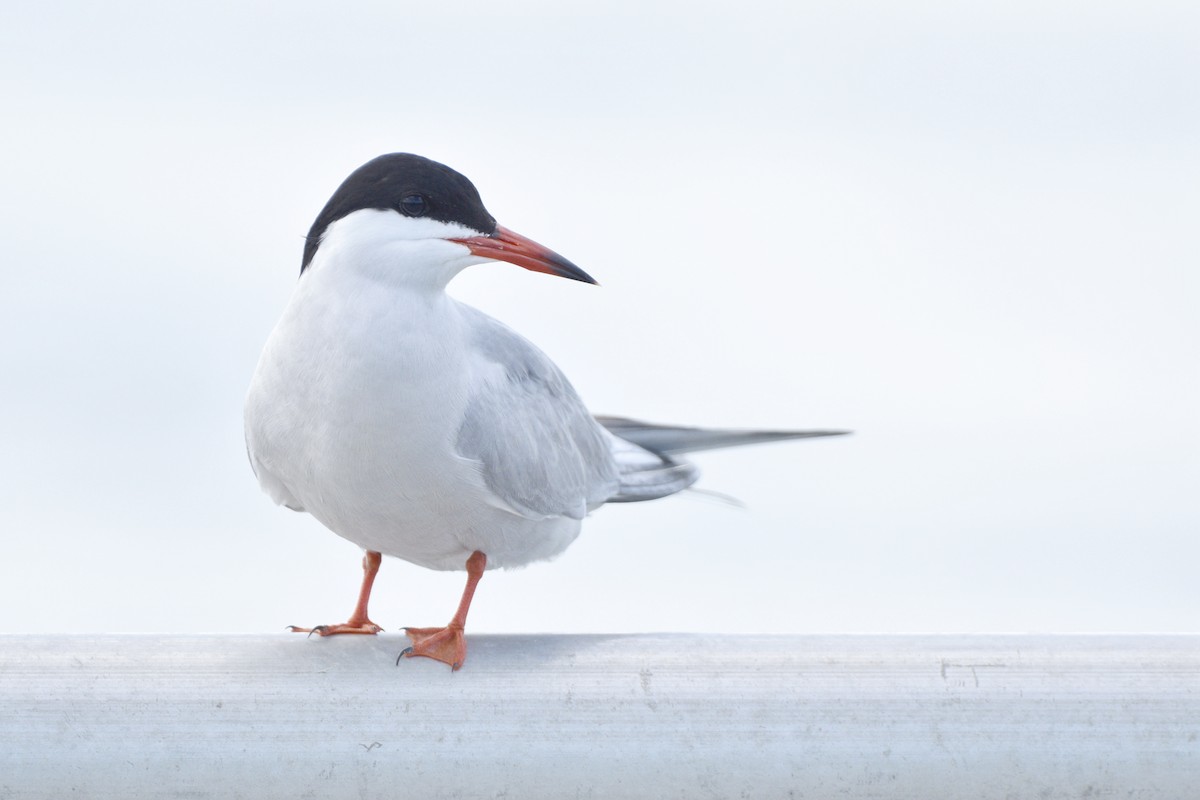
(540, 452)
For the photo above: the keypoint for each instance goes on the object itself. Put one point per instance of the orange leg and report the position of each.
(358, 622)
(447, 644)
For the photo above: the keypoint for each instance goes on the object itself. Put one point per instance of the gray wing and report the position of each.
(646, 475)
(541, 452)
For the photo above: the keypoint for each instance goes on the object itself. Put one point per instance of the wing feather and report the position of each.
(541, 452)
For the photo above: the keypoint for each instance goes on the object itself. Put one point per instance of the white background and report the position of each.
(968, 234)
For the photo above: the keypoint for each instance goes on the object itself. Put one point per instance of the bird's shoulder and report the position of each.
(494, 344)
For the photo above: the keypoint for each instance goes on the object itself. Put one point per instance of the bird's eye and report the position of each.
(414, 205)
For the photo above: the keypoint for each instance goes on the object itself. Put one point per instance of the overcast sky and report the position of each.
(969, 235)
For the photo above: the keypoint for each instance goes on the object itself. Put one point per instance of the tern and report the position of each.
(418, 427)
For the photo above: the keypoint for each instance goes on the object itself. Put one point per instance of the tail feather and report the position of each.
(670, 440)
(645, 453)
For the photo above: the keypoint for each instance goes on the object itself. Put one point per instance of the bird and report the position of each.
(418, 427)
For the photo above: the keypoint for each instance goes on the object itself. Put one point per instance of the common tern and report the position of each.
(418, 427)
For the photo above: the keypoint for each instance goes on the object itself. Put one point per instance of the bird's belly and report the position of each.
(431, 510)
(364, 439)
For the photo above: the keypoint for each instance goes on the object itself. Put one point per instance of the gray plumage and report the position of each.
(541, 451)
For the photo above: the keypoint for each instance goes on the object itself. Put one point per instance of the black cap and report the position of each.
(409, 185)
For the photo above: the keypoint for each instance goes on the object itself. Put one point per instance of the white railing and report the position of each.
(678, 716)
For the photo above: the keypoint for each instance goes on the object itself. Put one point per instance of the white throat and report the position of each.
(384, 246)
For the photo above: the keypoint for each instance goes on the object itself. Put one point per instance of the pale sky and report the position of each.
(970, 235)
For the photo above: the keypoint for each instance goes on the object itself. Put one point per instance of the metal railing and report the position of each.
(663, 716)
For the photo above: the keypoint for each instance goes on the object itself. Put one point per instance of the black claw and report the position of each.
(403, 653)
(319, 629)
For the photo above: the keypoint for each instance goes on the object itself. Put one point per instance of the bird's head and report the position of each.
(407, 219)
